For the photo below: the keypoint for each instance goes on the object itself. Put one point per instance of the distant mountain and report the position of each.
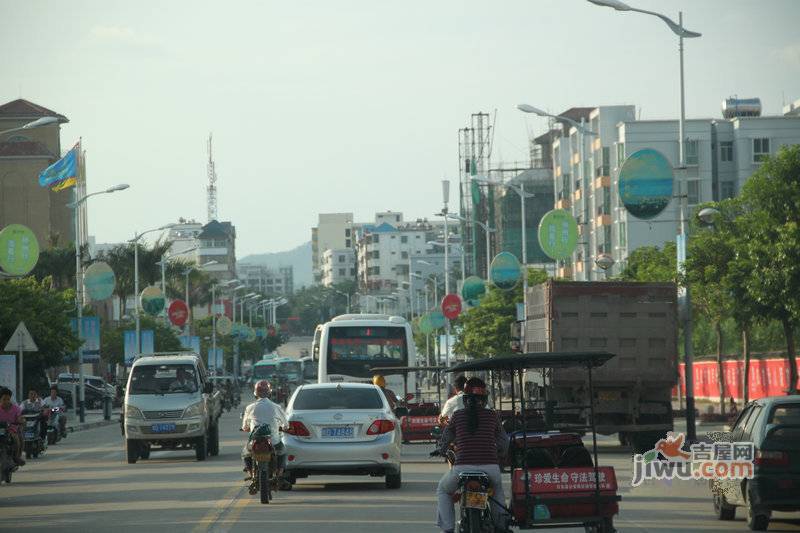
(298, 258)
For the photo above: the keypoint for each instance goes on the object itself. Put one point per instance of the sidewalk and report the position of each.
(94, 419)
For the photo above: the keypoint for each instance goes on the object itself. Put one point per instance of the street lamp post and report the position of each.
(681, 32)
(583, 132)
(488, 230)
(78, 274)
(38, 123)
(346, 295)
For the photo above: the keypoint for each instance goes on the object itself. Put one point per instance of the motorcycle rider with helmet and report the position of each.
(391, 397)
(480, 440)
(264, 411)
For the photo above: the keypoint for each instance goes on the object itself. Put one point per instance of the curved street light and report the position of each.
(38, 123)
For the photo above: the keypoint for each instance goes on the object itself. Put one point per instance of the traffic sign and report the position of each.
(19, 250)
(505, 271)
(21, 340)
(451, 306)
(558, 234)
(99, 281)
(224, 325)
(178, 313)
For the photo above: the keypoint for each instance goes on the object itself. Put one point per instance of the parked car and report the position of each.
(342, 428)
(773, 426)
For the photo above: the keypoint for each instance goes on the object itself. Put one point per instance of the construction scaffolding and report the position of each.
(477, 203)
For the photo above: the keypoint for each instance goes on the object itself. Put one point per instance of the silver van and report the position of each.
(169, 405)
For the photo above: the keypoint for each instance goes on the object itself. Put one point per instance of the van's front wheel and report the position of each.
(132, 447)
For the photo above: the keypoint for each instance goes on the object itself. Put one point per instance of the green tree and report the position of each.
(486, 329)
(46, 313)
(771, 223)
(112, 344)
(651, 263)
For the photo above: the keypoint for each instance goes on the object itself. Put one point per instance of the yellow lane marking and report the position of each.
(233, 516)
(215, 512)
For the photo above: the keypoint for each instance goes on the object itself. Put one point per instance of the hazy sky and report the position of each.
(345, 105)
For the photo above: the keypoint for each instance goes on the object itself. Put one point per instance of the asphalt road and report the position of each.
(83, 484)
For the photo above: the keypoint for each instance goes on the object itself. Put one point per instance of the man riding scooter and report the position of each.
(11, 414)
(34, 405)
(263, 411)
(55, 401)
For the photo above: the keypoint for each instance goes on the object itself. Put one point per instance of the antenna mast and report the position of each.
(211, 190)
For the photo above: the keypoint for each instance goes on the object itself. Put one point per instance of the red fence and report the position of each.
(768, 377)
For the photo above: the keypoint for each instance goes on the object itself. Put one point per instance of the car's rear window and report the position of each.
(337, 398)
(785, 415)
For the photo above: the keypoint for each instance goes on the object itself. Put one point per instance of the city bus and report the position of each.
(265, 369)
(350, 345)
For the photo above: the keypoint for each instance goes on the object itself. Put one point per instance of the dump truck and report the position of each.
(636, 321)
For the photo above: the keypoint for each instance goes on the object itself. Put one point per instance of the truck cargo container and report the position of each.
(636, 321)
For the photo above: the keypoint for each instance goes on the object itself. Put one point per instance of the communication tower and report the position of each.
(211, 189)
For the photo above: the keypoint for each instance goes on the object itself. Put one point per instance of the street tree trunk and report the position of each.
(790, 355)
(746, 350)
(720, 370)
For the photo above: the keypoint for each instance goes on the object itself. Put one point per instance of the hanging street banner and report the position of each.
(558, 234)
(148, 341)
(645, 183)
(99, 281)
(152, 300)
(215, 361)
(90, 334)
(129, 341)
(190, 343)
(19, 250)
(451, 306)
(505, 271)
(8, 374)
(224, 325)
(178, 313)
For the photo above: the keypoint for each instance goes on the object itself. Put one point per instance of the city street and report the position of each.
(83, 484)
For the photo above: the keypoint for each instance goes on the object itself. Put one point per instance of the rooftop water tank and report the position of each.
(741, 107)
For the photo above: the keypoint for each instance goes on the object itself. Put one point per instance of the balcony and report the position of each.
(602, 181)
(563, 203)
(602, 220)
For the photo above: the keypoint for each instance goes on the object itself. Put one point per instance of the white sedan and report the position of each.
(342, 429)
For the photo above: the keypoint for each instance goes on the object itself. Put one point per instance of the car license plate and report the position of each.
(476, 500)
(163, 428)
(341, 432)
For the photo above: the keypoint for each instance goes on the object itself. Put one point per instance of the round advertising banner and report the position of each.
(451, 306)
(436, 319)
(425, 324)
(473, 289)
(224, 325)
(645, 183)
(505, 271)
(178, 313)
(99, 281)
(558, 234)
(152, 300)
(19, 250)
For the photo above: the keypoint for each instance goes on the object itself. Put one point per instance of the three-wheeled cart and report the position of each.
(555, 480)
(419, 412)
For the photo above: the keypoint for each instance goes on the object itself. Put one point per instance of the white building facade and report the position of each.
(338, 266)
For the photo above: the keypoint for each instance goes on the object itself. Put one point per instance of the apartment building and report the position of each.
(334, 231)
(265, 280)
(338, 266)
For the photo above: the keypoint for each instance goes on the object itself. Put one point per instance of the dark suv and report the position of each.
(773, 426)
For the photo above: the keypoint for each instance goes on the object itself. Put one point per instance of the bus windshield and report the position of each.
(352, 351)
(265, 371)
(290, 368)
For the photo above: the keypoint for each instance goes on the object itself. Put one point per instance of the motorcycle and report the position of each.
(56, 425)
(264, 465)
(34, 444)
(473, 495)
(7, 465)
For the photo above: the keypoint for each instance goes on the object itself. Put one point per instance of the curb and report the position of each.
(92, 425)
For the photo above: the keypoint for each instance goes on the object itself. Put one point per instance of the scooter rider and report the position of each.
(11, 414)
(53, 401)
(34, 405)
(455, 402)
(480, 440)
(264, 411)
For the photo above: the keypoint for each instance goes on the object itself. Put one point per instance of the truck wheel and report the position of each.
(644, 442)
(213, 441)
(132, 448)
(201, 448)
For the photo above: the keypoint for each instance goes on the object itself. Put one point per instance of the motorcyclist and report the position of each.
(33, 405)
(380, 381)
(263, 411)
(480, 441)
(55, 401)
(455, 402)
(11, 414)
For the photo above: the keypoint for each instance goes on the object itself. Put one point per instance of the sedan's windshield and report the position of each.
(163, 379)
(337, 398)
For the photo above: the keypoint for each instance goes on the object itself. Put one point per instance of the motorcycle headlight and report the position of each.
(196, 409)
(132, 411)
